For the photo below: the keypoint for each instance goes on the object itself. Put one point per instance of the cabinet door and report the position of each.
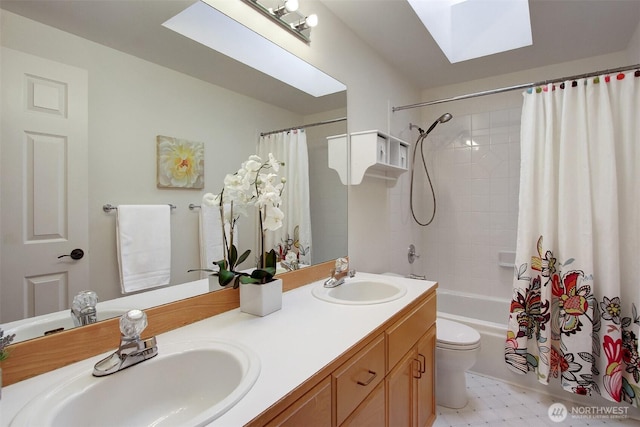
(371, 412)
(311, 410)
(426, 396)
(401, 391)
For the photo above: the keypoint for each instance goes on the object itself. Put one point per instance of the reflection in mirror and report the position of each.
(137, 80)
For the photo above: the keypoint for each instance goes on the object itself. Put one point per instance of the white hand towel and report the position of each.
(144, 246)
(211, 241)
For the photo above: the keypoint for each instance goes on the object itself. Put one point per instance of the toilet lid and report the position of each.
(455, 334)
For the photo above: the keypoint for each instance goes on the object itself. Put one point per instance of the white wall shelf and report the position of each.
(377, 154)
(372, 153)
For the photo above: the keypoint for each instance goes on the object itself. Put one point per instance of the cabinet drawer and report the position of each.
(356, 378)
(403, 334)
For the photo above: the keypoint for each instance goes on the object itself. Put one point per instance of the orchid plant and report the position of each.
(257, 184)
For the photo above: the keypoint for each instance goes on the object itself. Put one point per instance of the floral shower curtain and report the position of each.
(295, 234)
(574, 312)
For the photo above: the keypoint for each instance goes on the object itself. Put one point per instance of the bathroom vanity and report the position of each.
(321, 363)
(385, 379)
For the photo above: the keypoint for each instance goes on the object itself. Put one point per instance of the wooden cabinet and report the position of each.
(385, 380)
(311, 410)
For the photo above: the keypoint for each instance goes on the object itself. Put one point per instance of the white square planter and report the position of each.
(214, 285)
(261, 300)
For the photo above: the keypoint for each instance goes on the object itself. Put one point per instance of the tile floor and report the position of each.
(496, 404)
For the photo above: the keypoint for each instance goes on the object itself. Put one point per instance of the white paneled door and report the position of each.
(44, 187)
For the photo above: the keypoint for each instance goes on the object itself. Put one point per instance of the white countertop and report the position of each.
(292, 344)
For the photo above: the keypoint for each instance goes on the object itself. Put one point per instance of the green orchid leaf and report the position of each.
(248, 280)
(233, 257)
(244, 256)
(208, 270)
(225, 277)
(236, 281)
(271, 259)
(263, 275)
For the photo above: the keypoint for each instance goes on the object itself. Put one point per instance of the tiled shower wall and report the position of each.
(474, 162)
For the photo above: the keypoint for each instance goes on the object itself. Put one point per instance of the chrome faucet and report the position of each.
(83, 308)
(132, 350)
(339, 273)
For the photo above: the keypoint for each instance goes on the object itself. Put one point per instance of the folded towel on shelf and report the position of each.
(211, 241)
(143, 234)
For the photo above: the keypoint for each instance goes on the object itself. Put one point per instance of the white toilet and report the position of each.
(457, 347)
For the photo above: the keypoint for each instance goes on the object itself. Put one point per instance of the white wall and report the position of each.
(132, 101)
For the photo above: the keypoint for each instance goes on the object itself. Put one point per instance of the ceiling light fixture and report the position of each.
(288, 17)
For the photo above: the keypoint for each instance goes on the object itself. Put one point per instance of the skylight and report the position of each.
(208, 26)
(467, 29)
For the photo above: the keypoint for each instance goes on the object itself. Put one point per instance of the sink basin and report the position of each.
(187, 384)
(360, 291)
(58, 322)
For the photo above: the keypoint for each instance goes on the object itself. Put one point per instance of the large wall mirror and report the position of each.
(142, 80)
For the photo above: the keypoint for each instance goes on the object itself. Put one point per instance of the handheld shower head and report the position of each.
(445, 118)
(420, 142)
(442, 119)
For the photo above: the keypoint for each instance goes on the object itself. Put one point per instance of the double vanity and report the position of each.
(358, 354)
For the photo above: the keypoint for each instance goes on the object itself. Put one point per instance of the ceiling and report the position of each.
(562, 30)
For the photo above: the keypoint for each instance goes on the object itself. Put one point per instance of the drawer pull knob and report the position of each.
(367, 382)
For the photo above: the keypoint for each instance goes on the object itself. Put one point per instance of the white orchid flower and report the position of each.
(211, 199)
(273, 218)
(275, 164)
(253, 164)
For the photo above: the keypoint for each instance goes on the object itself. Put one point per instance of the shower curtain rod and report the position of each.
(326, 122)
(516, 87)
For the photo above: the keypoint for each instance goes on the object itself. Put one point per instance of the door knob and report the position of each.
(75, 254)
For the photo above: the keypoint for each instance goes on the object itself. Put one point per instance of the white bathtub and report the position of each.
(489, 317)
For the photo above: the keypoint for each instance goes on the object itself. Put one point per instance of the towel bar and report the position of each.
(109, 207)
(192, 206)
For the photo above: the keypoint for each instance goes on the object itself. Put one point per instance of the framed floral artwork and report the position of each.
(180, 163)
